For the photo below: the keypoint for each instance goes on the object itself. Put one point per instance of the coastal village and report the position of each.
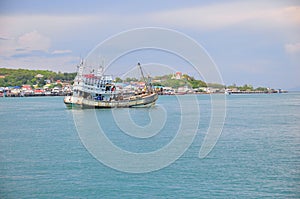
(173, 84)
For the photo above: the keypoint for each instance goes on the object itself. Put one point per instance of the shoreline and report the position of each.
(176, 94)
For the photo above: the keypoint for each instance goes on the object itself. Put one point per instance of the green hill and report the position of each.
(18, 77)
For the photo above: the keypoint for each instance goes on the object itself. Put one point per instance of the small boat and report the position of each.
(228, 91)
(96, 90)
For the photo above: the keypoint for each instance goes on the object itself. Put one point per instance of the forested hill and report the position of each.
(19, 77)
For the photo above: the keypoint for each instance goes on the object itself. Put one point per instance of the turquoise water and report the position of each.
(257, 155)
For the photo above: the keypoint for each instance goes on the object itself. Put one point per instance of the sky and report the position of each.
(253, 42)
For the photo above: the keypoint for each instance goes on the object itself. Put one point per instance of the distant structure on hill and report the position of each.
(177, 75)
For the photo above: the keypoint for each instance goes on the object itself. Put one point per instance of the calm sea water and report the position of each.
(257, 155)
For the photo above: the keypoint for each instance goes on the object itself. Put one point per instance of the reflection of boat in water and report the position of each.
(96, 90)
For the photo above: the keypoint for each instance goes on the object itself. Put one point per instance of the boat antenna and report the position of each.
(81, 61)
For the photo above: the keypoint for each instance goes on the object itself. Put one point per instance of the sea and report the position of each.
(257, 155)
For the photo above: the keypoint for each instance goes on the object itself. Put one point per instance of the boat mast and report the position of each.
(146, 82)
(80, 68)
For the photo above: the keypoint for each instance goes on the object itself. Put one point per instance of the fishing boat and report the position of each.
(97, 90)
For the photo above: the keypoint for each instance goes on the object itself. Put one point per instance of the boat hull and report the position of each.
(134, 101)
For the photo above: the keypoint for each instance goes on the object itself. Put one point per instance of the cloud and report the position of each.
(3, 38)
(216, 16)
(29, 42)
(61, 63)
(8, 47)
(53, 25)
(292, 48)
(56, 52)
(33, 41)
(32, 50)
(205, 18)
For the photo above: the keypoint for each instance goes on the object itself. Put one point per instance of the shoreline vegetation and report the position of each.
(24, 82)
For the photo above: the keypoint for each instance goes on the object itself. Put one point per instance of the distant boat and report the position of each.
(228, 91)
(96, 90)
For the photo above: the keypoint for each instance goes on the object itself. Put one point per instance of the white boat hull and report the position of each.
(134, 101)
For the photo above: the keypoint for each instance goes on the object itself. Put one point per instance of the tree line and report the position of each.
(186, 80)
(169, 81)
(19, 77)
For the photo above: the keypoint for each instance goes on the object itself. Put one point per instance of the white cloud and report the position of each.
(292, 48)
(26, 43)
(210, 17)
(53, 25)
(61, 63)
(7, 47)
(218, 16)
(55, 52)
(19, 52)
(34, 41)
